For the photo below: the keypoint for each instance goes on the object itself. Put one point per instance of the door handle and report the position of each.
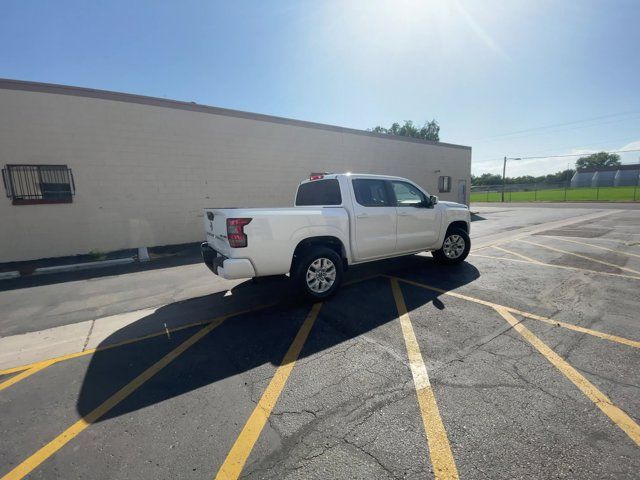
(362, 215)
(403, 214)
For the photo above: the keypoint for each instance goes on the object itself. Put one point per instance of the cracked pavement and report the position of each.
(349, 408)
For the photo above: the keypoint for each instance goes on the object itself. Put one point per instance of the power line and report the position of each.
(484, 160)
(575, 122)
(548, 132)
(586, 146)
(573, 155)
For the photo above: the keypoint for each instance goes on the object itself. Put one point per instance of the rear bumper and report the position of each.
(229, 268)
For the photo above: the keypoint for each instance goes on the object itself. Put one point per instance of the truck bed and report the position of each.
(273, 233)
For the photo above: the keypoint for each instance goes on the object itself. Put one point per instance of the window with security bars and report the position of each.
(34, 184)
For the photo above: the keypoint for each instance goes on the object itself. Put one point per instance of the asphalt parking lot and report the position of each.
(522, 362)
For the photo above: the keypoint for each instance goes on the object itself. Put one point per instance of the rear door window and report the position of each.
(372, 193)
(319, 192)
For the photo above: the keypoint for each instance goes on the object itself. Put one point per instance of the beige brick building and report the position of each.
(93, 170)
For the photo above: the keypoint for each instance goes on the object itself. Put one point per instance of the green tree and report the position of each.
(600, 159)
(486, 179)
(429, 131)
(494, 179)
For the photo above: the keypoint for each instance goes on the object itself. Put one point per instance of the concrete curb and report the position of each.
(83, 266)
(8, 275)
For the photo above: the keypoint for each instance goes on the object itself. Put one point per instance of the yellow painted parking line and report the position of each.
(617, 415)
(24, 374)
(576, 328)
(592, 245)
(581, 256)
(588, 331)
(20, 368)
(444, 465)
(446, 292)
(69, 356)
(480, 248)
(28, 465)
(551, 265)
(523, 257)
(239, 453)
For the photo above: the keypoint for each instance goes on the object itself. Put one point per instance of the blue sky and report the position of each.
(516, 78)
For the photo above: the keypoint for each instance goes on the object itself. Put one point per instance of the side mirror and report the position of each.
(433, 199)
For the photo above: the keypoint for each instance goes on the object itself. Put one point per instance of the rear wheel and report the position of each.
(455, 247)
(318, 273)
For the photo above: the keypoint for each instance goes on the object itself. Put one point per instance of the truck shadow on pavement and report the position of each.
(251, 340)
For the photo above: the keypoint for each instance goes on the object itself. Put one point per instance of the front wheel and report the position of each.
(319, 273)
(455, 247)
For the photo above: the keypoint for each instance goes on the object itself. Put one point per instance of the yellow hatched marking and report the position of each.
(523, 257)
(591, 245)
(444, 465)
(565, 267)
(588, 331)
(576, 328)
(241, 449)
(24, 374)
(617, 415)
(69, 356)
(581, 256)
(28, 465)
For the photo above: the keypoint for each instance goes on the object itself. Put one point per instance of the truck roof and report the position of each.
(324, 176)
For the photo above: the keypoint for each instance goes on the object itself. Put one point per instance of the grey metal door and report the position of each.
(462, 191)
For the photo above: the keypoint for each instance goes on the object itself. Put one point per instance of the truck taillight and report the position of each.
(235, 232)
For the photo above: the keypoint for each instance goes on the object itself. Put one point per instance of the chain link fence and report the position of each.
(553, 192)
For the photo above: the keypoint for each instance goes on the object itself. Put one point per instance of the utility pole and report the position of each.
(504, 179)
(635, 189)
(504, 174)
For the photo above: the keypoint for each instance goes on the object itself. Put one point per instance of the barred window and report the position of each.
(444, 184)
(33, 184)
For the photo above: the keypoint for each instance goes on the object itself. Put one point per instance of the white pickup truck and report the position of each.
(338, 220)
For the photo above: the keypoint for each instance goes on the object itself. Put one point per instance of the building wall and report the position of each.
(627, 178)
(603, 178)
(581, 179)
(143, 172)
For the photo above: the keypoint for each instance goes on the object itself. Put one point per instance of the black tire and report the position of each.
(457, 234)
(306, 259)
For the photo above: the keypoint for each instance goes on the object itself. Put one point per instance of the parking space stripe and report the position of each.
(595, 333)
(591, 245)
(28, 465)
(576, 328)
(241, 449)
(69, 356)
(444, 465)
(505, 237)
(551, 265)
(25, 373)
(617, 415)
(580, 256)
(524, 257)
(8, 371)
